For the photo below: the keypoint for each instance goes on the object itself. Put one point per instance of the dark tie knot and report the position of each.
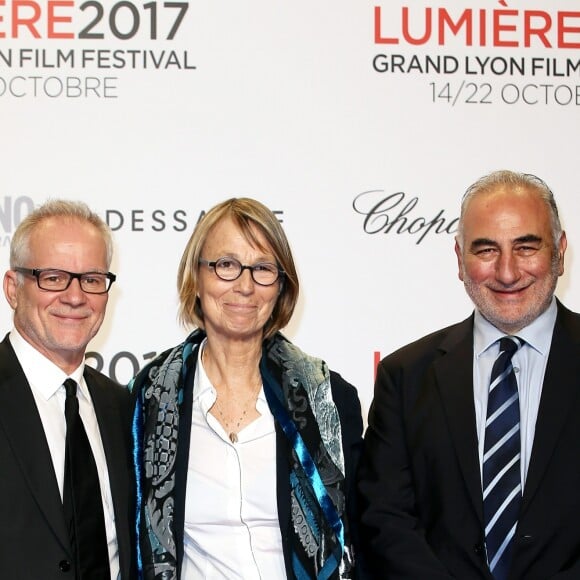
(70, 388)
(510, 344)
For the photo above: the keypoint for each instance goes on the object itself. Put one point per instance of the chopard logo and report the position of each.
(396, 213)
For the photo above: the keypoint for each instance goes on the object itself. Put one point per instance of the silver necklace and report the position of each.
(233, 427)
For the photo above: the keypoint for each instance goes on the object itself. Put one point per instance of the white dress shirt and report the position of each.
(231, 514)
(46, 382)
(529, 364)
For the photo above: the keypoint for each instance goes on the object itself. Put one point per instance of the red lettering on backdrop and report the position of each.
(428, 27)
(563, 29)
(505, 27)
(380, 39)
(482, 28)
(19, 19)
(53, 18)
(25, 18)
(498, 27)
(446, 20)
(538, 30)
(378, 34)
(377, 360)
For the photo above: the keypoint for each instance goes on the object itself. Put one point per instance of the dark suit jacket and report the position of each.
(347, 403)
(419, 480)
(34, 543)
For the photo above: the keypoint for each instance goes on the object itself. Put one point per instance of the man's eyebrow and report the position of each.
(479, 242)
(487, 242)
(528, 238)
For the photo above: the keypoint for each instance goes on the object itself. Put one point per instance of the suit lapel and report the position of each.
(559, 392)
(454, 376)
(20, 420)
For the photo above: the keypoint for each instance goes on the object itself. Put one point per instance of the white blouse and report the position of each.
(231, 514)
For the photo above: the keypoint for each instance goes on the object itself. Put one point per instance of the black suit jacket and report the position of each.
(348, 405)
(34, 543)
(420, 486)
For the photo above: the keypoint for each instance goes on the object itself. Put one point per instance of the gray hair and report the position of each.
(54, 208)
(512, 180)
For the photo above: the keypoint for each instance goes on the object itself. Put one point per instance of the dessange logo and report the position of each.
(158, 220)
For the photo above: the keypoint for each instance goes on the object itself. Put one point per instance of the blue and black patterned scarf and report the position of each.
(298, 392)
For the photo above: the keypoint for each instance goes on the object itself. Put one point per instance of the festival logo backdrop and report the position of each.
(360, 124)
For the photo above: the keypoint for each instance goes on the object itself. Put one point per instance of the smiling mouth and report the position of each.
(509, 293)
(509, 290)
(65, 316)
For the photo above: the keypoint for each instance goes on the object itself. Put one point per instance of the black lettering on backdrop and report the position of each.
(138, 220)
(394, 213)
(127, 360)
(158, 220)
(125, 19)
(177, 216)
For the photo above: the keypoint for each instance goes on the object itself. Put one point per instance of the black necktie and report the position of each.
(83, 506)
(502, 489)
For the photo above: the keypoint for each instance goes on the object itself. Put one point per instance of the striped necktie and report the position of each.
(502, 488)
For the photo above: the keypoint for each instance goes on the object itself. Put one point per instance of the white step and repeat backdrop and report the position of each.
(360, 123)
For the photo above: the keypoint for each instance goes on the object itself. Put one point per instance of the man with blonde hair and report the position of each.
(66, 498)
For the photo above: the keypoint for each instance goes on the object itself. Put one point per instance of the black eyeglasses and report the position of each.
(229, 269)
(59, 280)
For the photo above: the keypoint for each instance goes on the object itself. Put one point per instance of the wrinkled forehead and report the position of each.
(507, 212)
(65, 233)
(503, 194)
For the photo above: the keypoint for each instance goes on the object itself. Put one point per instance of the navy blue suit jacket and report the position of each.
(420, 485)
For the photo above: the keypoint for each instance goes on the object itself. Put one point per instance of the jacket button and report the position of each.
(64, 565)
(479, 549)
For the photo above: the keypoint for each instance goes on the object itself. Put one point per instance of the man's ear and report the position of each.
(459, 259)
(561, 251)
(11, 287)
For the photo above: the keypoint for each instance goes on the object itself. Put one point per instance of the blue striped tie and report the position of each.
(502, 488)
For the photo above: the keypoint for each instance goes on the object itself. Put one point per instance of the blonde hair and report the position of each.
(55, 208)
(247, 214)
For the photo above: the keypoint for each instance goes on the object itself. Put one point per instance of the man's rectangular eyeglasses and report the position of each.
(59, 280)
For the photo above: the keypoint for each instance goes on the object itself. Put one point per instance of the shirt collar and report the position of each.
(538, 334)
(41, 373)
(202, 386)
